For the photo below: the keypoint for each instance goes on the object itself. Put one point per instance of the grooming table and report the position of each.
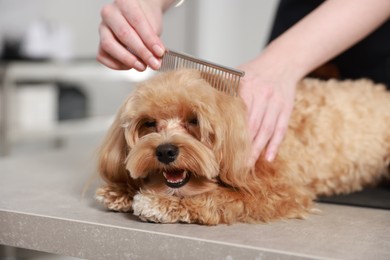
(42, 208)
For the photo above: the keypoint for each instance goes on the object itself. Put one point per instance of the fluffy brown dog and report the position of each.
(177, 151)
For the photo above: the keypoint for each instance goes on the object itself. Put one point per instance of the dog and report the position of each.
(177, 151)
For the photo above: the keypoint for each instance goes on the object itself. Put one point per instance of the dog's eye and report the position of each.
(193, 121)
(150, 123)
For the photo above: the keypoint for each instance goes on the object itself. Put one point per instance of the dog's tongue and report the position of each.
(174, 176)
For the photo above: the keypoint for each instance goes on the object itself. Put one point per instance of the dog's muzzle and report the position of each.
(174, 178)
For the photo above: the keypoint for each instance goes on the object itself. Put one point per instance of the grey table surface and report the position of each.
(42, 208)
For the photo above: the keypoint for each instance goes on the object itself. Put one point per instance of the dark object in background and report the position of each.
(378, 197)
(72, 101)
(12, 52)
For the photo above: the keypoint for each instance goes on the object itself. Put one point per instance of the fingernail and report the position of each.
(139, 66)
(154, 63)
(251, 162)
(270, 157)
(158, 50)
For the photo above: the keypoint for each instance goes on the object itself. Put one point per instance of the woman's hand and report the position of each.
(269, 95)
(129, 34)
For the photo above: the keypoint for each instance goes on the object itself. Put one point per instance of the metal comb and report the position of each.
(220, 77)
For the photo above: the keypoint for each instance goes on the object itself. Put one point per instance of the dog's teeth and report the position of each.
(166, 175)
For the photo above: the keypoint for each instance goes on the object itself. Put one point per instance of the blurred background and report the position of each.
(54, 95)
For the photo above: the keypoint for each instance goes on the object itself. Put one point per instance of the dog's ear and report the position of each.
(232, 142)
(114, 150)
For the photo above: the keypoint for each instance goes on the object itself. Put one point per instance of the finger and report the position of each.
(130, 39)
(125, 33)
(278, 136)
(265, 132)
(105, 59)
(136, 17)
(255, 112)
(256, 116)
(118, 52)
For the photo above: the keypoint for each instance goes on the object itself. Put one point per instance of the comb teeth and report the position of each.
(220, 77)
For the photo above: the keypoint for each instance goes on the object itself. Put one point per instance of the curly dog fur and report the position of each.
(177, 151)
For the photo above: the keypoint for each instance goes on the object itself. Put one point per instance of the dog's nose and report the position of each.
(167, 153)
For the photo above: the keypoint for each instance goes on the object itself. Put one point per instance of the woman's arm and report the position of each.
(268, 88)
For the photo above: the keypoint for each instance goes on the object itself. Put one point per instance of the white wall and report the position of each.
(231, 32)
(228, 32)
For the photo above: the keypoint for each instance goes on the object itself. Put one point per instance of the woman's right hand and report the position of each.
(129, 34)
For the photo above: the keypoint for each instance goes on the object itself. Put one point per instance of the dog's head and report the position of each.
(175, 134)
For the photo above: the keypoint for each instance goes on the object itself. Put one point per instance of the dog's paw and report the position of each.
(159, 209)
(114, 198)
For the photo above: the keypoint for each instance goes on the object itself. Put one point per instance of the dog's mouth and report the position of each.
(176, 178)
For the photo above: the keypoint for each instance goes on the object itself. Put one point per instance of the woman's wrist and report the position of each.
(276, 60)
